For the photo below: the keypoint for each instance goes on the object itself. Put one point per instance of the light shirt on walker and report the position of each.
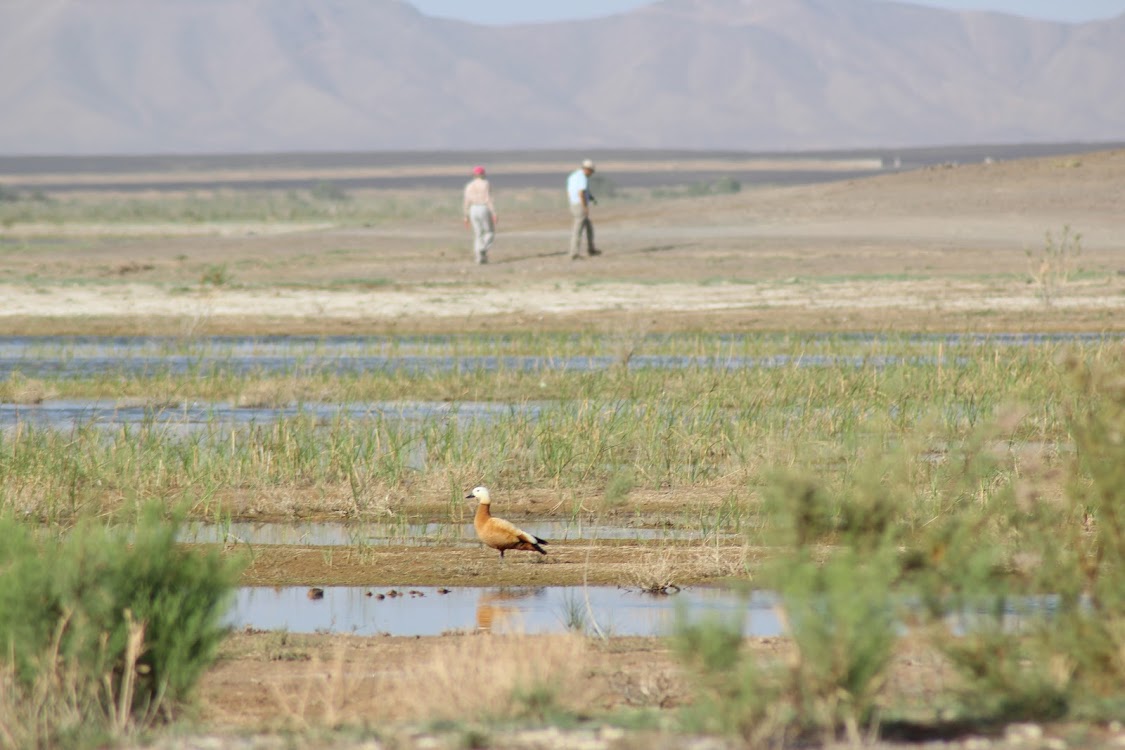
(577, 184)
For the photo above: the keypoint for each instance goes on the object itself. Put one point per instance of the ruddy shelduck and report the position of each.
(498, 533)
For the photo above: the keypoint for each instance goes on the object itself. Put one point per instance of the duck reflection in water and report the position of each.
(499, 606)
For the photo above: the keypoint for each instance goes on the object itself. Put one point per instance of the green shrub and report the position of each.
(329, 192)
(216, 274)
(602, 187)
(130, 620)
(734, 693)
(1052, 266)
(864, 513)
(841, 617)
(841, 620)
(1027, 591)
(620, 484)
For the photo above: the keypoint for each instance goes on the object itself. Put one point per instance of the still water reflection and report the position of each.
(553, 609)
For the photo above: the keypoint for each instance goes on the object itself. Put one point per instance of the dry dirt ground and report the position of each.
(942, 249)
(260, 679)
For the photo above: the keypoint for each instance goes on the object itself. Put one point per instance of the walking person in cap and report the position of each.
(480, 214)
(578, 191)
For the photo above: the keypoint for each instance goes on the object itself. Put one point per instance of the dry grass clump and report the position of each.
(275, 392)
(1051, 268)
(494, 677)
(659, 572)
(33, 715)
(328, 695)
(664, 570)
(461, 678)
(24, 390)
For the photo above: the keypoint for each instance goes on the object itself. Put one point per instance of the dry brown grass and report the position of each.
(62, 702)
(461, 678)
(665, 570)
(494, 677)
(329, 694)
(25, 391)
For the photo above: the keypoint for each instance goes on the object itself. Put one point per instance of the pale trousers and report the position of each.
(581, 223)
(480, 218)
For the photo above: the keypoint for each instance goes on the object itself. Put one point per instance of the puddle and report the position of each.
(422, 611)
(426, 611)
(210, 367)
(336, 534)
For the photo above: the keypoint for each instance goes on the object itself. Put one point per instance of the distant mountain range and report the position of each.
(228, 76)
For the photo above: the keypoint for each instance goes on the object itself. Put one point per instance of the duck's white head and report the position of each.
(481, 494)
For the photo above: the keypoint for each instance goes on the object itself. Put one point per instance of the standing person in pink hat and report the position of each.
(480, 214)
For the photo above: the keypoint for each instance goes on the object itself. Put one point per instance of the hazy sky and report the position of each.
(523, 11)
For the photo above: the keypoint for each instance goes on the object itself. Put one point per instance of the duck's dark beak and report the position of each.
(469, 496)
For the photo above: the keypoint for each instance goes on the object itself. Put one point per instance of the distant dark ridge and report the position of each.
(520, 181)
(910, 157)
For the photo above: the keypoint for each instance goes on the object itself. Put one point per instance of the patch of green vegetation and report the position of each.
(322, 203)
(1056, 263)
(103, 631)
(377, 282)
(720, 186)
(722, 280)
(1019, 582)
(216, 275)
(329, 192)
(806, 403)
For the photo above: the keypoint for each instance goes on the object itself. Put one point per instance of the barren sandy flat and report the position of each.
(554, 299)
(958, 248)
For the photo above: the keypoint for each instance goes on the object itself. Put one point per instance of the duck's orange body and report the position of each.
(500, 534)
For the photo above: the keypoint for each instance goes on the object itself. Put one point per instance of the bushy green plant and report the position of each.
(1002, 677)
(330, 192)
(1026, 589)
(1091, 635)
(1053, 265)
(720, 186)
(734, 693)
(216, 274)
(602, 187)
(842, 623)
(131, 617)
(618, 488)
(841, 616)
(865, 512)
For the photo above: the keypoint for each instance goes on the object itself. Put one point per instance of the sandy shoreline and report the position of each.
(144, 300)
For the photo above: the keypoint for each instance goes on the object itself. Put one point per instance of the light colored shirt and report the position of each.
(577, 184)
(478, 193)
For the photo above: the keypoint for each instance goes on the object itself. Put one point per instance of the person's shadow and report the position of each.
(520, 258)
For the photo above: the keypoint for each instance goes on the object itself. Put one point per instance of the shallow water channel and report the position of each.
(159, 357)
(604, 610)
(187, 418)
(420, 610)
(154, 356)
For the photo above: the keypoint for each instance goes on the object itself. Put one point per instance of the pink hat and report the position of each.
(478, 170)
